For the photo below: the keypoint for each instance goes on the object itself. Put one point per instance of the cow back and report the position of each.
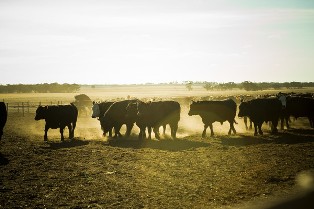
(214, 110)
(300, 106)
(264, 109)
(117, 112)
(57, 115)
(160, 112)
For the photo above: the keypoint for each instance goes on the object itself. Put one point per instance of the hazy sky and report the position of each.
(139, 41)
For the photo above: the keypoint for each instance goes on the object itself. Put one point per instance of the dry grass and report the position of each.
(190, 172)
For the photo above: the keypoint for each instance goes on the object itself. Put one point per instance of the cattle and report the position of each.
(261, 110)
(3, 117)
(98, 110)
(116, 116)
(212, 111)
(299, 106)
(58, 116)
(152, 115)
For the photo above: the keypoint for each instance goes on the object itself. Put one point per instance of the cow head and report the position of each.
(193, 108)
(41, 113)
(96, 110)
(243, 109)
(131, 110)
(143, 109)
(283, 99)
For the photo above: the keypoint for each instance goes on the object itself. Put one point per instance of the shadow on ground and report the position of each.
(66, 144)
(173, 145)
(291, 136)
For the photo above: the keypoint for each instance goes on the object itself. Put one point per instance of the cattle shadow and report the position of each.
(54, 145)
(3, 159)
(291, 136)
(172, 145)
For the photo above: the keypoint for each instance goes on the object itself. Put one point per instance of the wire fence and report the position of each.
(31, 107)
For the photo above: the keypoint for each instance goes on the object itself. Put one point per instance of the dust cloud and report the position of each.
(88, 128)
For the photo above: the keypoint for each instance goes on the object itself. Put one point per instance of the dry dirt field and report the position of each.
(190, 172)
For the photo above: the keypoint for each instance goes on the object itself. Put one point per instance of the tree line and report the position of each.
(40, 88)
(250, 86)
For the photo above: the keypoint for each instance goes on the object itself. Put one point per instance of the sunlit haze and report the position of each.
(123, 42)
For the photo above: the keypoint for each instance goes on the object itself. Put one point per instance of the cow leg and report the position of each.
(274, 126)
(128, 129)
(287, 121)
(61, 132)
(46, 131)
(70, 131)
(211, 129)
(117, 131)
(141, 135)
(260, 128)
(73, 128)
(255, 129)
(164, 129)
(149, 130)
(156, 131)
(245, 122)
(204, 131)
(282, 121)
(174, 128)
(110, 132)
(232, 128)
(250, 124)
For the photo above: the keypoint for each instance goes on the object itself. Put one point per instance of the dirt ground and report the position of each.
(189, 172)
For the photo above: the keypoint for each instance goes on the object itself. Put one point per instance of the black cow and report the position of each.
(116, 116)
(58, 116)
(3, 117)
(152, 115)
(261, 110)
(99, 110)
(298, 106)
(212, 111)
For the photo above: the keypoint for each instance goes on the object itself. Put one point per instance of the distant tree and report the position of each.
(250, 86)
(209, 85)
(40, 88)
(188, 85)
